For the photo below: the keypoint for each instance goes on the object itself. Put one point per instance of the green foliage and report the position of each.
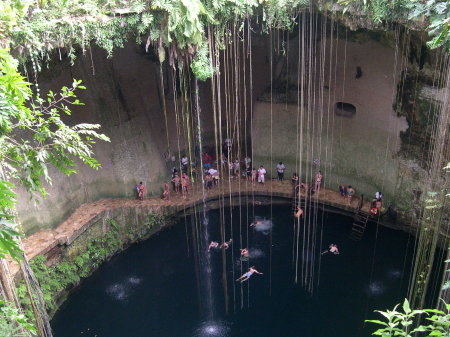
(33, 28)
(435, 12)
(183, 21)
(48, 141)
(55, 279)
(201, 65)
(404, 323)
(12, 322)
(438, 12)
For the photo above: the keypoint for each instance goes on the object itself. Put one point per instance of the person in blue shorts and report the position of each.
(248, 274)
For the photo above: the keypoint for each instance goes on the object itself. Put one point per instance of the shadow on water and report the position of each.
(151, 289)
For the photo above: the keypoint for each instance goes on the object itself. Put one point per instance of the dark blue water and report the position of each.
(152, 289)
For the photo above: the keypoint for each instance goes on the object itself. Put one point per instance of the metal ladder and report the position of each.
(359, 222)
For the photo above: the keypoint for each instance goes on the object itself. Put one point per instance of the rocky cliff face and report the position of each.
(123, 95)
(349, 123)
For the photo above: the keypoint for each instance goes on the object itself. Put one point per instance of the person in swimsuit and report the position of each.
(318, 182)
(350, 193)
(253, 175)
(295, 181)
(166, 193)
(176, 180)
(248, 274)
(185, 185)
(226, 244)
(256, 223)
(299, 212)
(332, 249)
(141, 191)
(244, 252)
(342, 190)
(213, 244)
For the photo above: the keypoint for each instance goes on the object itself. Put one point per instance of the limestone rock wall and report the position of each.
(359, 147)
(123, 95)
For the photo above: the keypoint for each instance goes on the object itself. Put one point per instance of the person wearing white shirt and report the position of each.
(280, 170)
(261, 173)
(184, 163)
(214, 174)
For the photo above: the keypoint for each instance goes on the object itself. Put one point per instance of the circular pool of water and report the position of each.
(163, 288)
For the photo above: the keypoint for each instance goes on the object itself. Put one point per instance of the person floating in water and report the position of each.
(226, 244)
(213, 244)
(256, 223)
(248, 274)
(299, 212)
(332, 249)
(245, 252)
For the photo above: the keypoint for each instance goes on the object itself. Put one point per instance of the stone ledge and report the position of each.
(88, 214)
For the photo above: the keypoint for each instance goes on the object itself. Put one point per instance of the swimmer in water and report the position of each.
(256, 223)
(213, 244)
(332, 249)
(226, 244)
(299, 212)
(244, 252)
(248, 274)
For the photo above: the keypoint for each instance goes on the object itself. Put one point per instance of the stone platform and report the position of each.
(44, 241)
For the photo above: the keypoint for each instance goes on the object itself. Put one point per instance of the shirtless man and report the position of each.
(244, 252)
(248, 274)
(299, 212)
(256, 223)
(226, 244)
(166, 193)
(213, 244)
(176, 180)
(185, 185)
(332, 249)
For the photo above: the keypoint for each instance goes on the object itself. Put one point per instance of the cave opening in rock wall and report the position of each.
(253, 163)
(344, 109)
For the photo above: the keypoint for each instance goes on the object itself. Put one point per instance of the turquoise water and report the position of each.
(156, 288)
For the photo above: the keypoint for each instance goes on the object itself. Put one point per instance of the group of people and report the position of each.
(224, 245)
(245, 254)
(347, 193)
(179, 184)
(376, 204)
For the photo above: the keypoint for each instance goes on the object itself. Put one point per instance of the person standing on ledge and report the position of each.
(184, 164)
(207, 160)
(261, 173)
(136, 188)
(248, 274)
(280, 169)
(166, 193)
(318, 182)
(141, 191)
(378, 195)
(350, 194)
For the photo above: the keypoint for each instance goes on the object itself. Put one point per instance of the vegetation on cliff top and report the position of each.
(33, 28)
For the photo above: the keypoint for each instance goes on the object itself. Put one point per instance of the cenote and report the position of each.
(285, 126)
(156, 288)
